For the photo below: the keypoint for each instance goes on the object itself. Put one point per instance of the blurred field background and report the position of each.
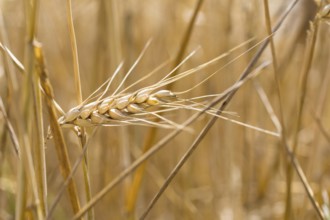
(235, 173)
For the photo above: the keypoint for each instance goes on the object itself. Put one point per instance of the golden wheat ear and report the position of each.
(123, 107)
(119, 108)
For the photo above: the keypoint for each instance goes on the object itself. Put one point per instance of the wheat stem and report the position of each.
(60, 144)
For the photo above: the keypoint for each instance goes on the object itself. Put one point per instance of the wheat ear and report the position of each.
(116, 108)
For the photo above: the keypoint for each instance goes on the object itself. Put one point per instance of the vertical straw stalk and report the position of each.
(77, 82)
(279, 96)
(60, 144)
(30, 105)
(303, 86)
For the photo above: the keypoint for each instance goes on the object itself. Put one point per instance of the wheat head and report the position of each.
(116, 108)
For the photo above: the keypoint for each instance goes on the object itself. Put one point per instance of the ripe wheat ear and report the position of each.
(118, 108)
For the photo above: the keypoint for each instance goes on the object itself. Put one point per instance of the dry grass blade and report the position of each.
(8, 65)
(246, 125)
(32, 179)
(14, 59)
(304, 75)
(265, 101)
(267, 105)
(173, 194)
(303, 179)
(320, 107)
(11, 130)
(269, 32)
(61, 148)
(309, 54)
(187, 36)
(73, 43)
